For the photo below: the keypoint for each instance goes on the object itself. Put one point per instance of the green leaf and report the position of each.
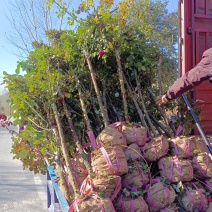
(143, 68)
(197, 151)
(70, 21)
(126, 192)
(177, 190)
(23, 154)
(179, 184)
(189, 188)
(97, 112)
(17, 71)
(49, 3)
(43, 151)
(130, 169)
(116, 94)
(102, 194)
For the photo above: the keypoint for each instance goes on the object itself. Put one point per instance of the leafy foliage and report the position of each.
(52, 73)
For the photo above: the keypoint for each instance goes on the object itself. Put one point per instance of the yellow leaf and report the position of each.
(106, 2)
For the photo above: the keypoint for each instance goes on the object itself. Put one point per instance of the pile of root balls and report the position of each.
(133, 172)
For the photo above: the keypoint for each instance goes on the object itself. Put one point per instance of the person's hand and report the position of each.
(161, 100)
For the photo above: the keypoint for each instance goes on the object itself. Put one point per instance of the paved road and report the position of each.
(20, 190)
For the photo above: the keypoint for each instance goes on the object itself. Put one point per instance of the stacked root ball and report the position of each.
(136, 173)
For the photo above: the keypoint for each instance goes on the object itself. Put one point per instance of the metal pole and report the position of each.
(48, 190)
(197, 123)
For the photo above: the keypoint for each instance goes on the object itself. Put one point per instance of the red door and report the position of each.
(196, 37)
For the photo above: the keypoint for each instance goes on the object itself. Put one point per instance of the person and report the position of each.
(201, 72)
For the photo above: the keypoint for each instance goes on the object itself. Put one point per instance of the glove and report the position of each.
(161, 100)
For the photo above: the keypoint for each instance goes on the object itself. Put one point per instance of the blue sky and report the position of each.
(8, 60)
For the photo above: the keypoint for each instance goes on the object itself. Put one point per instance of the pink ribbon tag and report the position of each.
(117, 189)
(74, 205)
(118, 125)
(87, 187)
(92, 139)
(108, 161)
(179, 130)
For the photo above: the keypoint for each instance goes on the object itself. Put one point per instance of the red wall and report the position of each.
(196, 37)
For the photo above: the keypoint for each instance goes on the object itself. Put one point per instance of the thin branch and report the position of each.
(35, 111)
(37, 125)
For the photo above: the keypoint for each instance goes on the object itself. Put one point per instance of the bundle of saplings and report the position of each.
(88, 98)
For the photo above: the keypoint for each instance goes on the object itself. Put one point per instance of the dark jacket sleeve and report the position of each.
(194, 77)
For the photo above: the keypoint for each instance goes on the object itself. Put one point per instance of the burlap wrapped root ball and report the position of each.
(175, 169)
(171, 208)
(135, 179)
(159, 196)
(202, 165)
(109, 185)
(135, 133)
(182, 146)
(111, 137)
(155, 149)
(132, 152)
(109, 160)
(79, 170)
(126, 204)
(201, 144)
(194, 198)
(93, 204)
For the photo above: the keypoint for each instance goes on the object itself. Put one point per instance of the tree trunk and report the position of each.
(167, 132)
(64, 149)
(104, 98)
(76, 139)
(103, 110)
(121, 80)
(83, 106)
(162, 112)
(63, 186)
(114, 109)
(160, 75)
(144, 106)
(137, 106)
(85, 114)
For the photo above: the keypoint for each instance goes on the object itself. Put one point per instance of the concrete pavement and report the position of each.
(20, 190)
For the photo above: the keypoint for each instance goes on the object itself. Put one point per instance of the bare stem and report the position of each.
(103, 110)
(137, 106)
(83, 106)
(162, 112)
(121, 80)
(64, 149)
(144, 107)
(76, 139)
